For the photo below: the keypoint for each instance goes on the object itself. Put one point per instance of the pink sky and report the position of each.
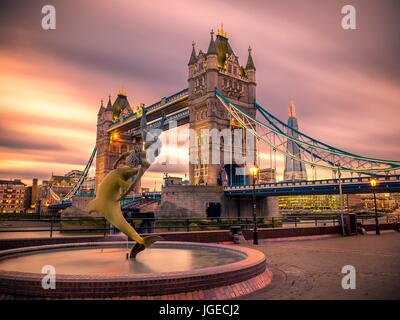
(346, 84)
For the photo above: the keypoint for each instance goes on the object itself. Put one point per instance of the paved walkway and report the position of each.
(311, 269)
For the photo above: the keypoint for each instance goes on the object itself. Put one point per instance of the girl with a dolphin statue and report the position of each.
(116, 184)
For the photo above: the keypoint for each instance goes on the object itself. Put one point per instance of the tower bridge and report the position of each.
(221, 94)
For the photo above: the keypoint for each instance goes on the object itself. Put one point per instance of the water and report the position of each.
(112, 261)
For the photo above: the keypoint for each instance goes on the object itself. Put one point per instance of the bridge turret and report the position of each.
(110, 146)
(251, 76)
(192, 60)
(121, 106)
(193, 56)
(101, 109)
(212, 49)
(212, 65)
(109, 110)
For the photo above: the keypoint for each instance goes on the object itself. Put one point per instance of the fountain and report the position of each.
(101, 270)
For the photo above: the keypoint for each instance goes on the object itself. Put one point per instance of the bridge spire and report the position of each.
(292, 110)
(122, 92)
(109, 104)
(222, 32)
(101, 110)
(212, 49)
(250, 64)
(193, 58)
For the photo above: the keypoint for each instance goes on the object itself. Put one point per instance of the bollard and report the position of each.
(51, 227)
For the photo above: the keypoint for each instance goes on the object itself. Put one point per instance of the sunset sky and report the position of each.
(345, 83)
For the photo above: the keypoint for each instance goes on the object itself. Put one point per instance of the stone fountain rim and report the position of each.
(252, 258)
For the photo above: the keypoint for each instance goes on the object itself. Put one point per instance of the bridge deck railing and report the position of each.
(311, 182)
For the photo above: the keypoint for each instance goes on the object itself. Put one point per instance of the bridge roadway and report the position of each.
(124, 203)
(174, 106)
(386, 184)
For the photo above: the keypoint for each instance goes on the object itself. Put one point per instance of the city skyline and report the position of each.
(344, 87)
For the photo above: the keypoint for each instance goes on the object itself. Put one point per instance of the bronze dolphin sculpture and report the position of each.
(106, 203)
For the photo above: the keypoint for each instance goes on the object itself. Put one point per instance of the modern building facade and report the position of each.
(75, 175)
(267, 175)
(309, 203)
(385, 202)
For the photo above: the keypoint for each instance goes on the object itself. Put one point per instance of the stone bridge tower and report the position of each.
(109, 147)
(217, 68)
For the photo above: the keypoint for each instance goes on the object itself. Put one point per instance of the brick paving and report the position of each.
(311, 269)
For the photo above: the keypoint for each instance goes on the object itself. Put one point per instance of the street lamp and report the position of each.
(114, 136)
(254, 172)
(373, 183)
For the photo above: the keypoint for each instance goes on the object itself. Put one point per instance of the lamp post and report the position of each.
(341, 199)
(254, 171)
(373, 183)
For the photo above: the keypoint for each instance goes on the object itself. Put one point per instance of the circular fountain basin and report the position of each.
(102, 270)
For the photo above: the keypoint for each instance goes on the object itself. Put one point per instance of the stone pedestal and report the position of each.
(242, 207)
(193, 202)
(77, 218)
(189, 201)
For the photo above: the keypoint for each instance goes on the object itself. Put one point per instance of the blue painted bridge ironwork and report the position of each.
(386, 184)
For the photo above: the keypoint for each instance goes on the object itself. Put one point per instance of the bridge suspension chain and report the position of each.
(78, 184)
(314, 153)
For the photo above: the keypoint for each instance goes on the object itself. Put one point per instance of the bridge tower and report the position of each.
(217, 68)
(109, 147)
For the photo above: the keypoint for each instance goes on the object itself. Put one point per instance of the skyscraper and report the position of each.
(294, 169)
